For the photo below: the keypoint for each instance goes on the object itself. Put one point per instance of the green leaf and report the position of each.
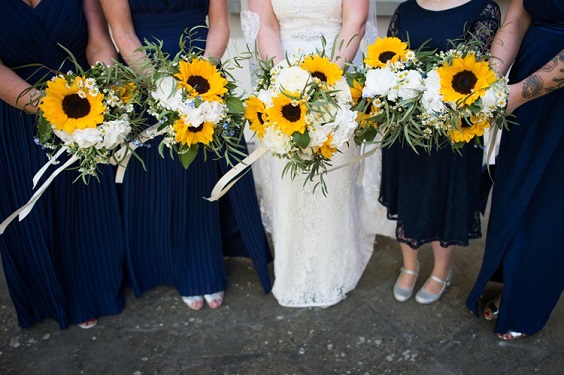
(188, 157)
(44, 130)
(235, 105)
(302, 140)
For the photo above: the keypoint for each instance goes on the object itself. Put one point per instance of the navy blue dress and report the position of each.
(525, 225)
(65, 260)
(436, 196)
(174, 236)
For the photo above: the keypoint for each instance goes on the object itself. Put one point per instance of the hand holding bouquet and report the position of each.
(301, 112)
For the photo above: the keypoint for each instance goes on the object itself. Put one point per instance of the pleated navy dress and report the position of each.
(525, 226)
(65, 260)
(174, 236)
(436, 196)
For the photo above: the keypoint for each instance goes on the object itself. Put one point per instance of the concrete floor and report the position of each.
(368, 333)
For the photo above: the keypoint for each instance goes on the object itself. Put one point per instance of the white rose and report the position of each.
(292, 79)
(276, 142)
(113, 133)
(88, 137)
(379, 82)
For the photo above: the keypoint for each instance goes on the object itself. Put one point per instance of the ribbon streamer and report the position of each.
(145, 136)
(23, 211)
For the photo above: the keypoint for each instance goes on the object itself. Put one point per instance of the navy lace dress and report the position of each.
(525, 226)
(174, 236)
(436, 196)
(65, 260)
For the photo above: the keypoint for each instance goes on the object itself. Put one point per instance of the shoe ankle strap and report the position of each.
(409, 272)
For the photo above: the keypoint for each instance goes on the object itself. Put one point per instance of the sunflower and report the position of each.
(323, 69)
(356, 91)
(125, 93)
(467, 130)
(68, 107)
(255, 112)
(201, 78)
(326, 150)
(465, 79)
(384, 50)
(190, 135)
(288, 113)
(364, 118)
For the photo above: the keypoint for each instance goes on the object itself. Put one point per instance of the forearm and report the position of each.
(355, 13)
(508, 38)
(218, 30)
(268, 38)
(12, 90)
(545, 80)
(100, 47)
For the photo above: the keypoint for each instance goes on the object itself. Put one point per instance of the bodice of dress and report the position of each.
(32, 35)
(546, 12)
(167, 20)
(477, 17)
(302, 24)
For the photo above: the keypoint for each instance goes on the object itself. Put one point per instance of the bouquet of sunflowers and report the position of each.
(89, 114)
(301, 112)
(194, 103)
(386, 90)
(463, 95)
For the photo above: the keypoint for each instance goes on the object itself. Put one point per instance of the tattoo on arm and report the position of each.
(532, 87)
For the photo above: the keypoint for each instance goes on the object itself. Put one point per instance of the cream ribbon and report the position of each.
(127, 150)
(228, 180)
(23, 211)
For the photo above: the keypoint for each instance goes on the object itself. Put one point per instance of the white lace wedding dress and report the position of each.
(322, 244)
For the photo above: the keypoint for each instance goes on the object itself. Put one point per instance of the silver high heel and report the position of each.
(403, 294)
(424, 297)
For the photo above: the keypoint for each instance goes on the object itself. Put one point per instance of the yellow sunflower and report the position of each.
(288, 114)
(190, 135)
(323, 69)
(384, 50)
(465, 79)
(201, 78)
(469, 129)
(125, 93)
(69, 107)
(326, 150)
(356, 91)
(255, 112)
(363, 117)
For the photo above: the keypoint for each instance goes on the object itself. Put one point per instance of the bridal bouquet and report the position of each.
(463, 96)
(88, 114)
(301, 112)
(195, 105)
(387, 90)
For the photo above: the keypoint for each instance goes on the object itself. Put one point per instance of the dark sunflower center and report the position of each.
(194, 129)
(465, 123)
(291, 113)
(199, 83)
(386, 56)
(320, 75)
(463, 82)
(259, 116)
(76, 107)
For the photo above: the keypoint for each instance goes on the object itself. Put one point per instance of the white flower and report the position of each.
(114, 133)
(167, 93)
(292, 79)
(319, 134)
(265, 96)
(343, 94)
(411, 85)
(346, 121)
(432, 99)
(88, 137)
(379, 82)
(276, 142)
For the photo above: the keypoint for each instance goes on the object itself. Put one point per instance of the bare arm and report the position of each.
(119, 18)
(355, 13)
(218, 33)
(12, 87)
(100, 46)
(545, 80)
(269, 33)
(508, 38)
